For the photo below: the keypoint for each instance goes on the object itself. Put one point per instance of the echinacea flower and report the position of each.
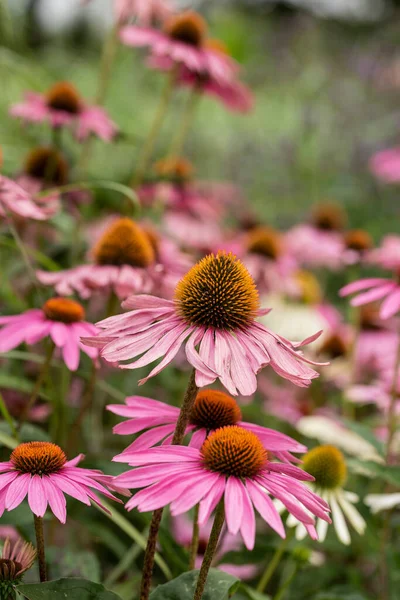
(127, 258)
(214, 309)
(372, 289)
(16, 558)
(62, 106)
(40, 470)
(15, 200)
(379, 502)
(212, 410)
(182, 530)
(385, 165)
(232, 464)
(183, 41)
(61, 319)
(328, 467)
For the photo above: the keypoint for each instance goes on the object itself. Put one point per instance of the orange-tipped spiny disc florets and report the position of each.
(188, 27)
(218, 292)
(64, 310)
(38, 458)
(327, 465)
(234, 451)
(124, 243)
(265, 241)
(64, 96)
(214, 409)
(48, 164)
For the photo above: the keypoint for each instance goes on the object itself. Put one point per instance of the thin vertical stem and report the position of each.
(195, 539)
(8, 418)
(40, 548)
(148, 563)
(87, 404)
(187, 119)
(210, 550)
(391, 416)
(272, 565)
(38, 385)
(279, 594)
(148, 147)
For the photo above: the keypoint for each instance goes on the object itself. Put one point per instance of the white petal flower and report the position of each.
(378, 502)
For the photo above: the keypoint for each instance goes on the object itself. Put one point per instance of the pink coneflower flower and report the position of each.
(40, 470)
(212, 410)
(128, 258)
(376, 288)
(62, 106)
(16, 403)
(183, 41)
(16, 558)
(182, 530)
(215, 309)
(320, 243)
(15, 200)
(385, 165)
(146, 12)
(60, 318)
(232, 463)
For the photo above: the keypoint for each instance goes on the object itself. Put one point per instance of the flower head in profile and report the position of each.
(232, 464)
(387, 256)
(385, 165)
(183, 41)
(61, 319)
(212, 410)
(214, 315)
(16, 558)
(328, 467)
(127, 258)
(41, 471)
(16, 200)
(62, 106)
(146, 12)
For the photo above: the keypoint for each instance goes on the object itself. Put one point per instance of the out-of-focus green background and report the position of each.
(326, 98)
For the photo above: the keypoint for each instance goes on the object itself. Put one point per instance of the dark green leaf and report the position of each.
(219, 586)
(67, 589)
(390, 474)
(253, 594)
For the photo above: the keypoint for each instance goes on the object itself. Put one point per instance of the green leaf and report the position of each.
(253, 594)
(67, 589)
(6, 439)
(90, 185)
(219, 586)
(389, 473)
(365, 432)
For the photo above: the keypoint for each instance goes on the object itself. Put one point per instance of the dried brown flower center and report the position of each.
(214, 409)
(327, 465)
(265, 241)
(124, 243)
(234, 451)
(47, 164)
(9, 570)
(329, 217)
(64, 96)
(188, 27)
(218, 292)
(64, 310)
(38, 458)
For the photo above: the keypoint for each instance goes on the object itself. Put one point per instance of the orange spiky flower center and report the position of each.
(38, 458)
(327, 465)
(214, 409)
(48, 164)
(124, 243)
(234, 451)
(188, 27)
(64, 310)
(218, 292)
(329, 217)
(175, 168)
(265, 241)
(64, 96)
(358, 239)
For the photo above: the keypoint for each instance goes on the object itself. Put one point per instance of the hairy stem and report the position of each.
(186, 122)
(210, 550)
(40, 547)
(272, 565)
(195, 539)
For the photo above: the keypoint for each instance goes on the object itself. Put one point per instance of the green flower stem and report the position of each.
(38, 385)
(391, 417)
(194, 546)
(8, 418)
(272, 565)
(280, 593)
(155, 128)
(148, 563)
(186, 122)
(210, 550)
(87, 405)
(40, 548)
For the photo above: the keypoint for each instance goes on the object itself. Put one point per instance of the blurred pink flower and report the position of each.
(316, 248)
(16, 200)
(60, 318)
(215, 307)
(385, 165)
(146, 12)
(62, 106)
